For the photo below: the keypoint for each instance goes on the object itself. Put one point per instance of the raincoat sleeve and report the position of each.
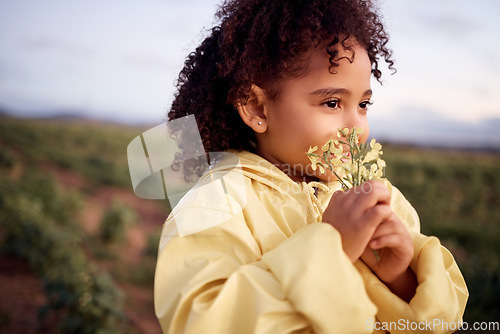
(218, 281)
(441, 295)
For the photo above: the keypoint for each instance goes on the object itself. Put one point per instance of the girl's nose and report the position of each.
(353, 120)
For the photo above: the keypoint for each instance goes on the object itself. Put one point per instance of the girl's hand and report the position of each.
(356, 213)
(394, 246)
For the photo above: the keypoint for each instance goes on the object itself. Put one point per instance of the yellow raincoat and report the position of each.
(246, 252)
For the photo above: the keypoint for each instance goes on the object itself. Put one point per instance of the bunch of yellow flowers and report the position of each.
(360, 163)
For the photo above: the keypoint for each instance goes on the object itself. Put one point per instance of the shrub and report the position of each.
(114, 223)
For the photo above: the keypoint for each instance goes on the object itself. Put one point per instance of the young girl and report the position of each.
(266, 244)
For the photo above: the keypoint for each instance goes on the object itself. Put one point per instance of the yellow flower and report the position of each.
(375, 146)
(337, 151)
(374, 153)
(356, 132)
(312, 149)
(344, 132)
(314, 162)
(321, 169)
(364, 173)
(361, 163)
(328, 145)
(381, 163)
(380, 171)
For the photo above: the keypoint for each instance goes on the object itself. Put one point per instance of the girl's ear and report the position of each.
(253, 112)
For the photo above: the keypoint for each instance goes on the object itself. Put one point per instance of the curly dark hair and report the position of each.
(263, 42)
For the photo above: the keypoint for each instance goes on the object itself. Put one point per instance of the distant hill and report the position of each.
(68, 116)
(413, 127)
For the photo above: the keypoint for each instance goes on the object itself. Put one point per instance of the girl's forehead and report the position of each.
(346, 55)
(316, 69)
(344, 50)
(353, 73)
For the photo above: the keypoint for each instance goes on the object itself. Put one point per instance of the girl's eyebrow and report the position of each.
(336, 91)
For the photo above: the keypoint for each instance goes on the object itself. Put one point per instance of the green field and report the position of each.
(457, 196)
(52, 172)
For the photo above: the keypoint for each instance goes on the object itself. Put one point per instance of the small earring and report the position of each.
(260, 123)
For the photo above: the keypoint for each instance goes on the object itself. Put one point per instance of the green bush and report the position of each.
(115, 221)
(7, 159)
(143, 273)
(62, 205)
(152, 243)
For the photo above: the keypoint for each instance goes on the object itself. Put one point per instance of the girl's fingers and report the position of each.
(390, 233)
(395, 241)
(371, 194)
(364, 196)
(379, 213)
(388, 240)
(390, 225)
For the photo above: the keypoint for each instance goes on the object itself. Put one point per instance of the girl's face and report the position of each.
(312, 107)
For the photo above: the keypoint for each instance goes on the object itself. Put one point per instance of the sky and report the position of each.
(118, 60)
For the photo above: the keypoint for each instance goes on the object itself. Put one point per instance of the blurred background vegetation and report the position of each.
(72, 229)
(457, 197)
(69, 219)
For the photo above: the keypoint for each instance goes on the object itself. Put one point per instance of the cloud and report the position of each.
(146, 62)
(58, 46)
(453, 25)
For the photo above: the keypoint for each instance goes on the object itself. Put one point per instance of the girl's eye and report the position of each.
(365, 104)
(332, 104)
